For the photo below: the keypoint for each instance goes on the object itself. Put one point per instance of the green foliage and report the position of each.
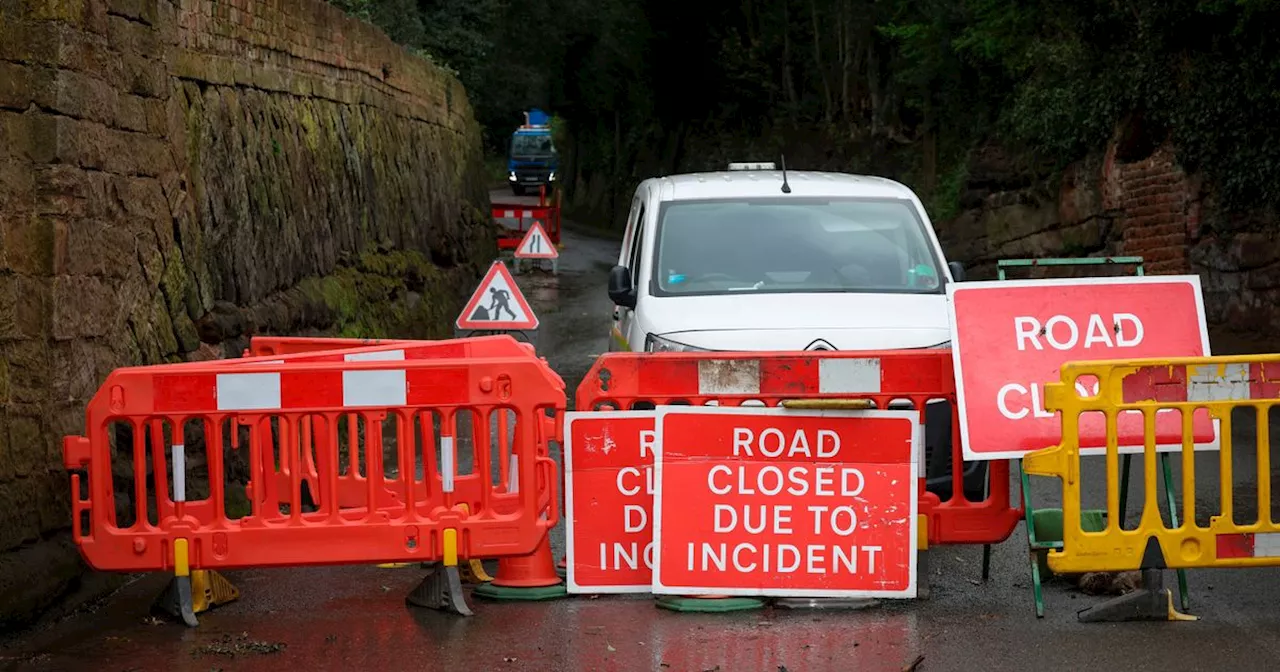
(944, 202)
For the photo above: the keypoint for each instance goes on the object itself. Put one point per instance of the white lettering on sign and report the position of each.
(773, 443)
(637, 513)
(631, 482)
(648, 437)
(781, 558)
(628, 477)
(1016, 401)
(1062, 333)
(842, 520)
(769, 481)
(1017, 408)
(625, 556)
(836, 481)
(726, 518)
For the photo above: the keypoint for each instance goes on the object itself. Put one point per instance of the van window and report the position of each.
(637, 245)
(793, 245)
(629, 236)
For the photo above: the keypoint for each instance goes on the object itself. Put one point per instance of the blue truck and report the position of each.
(533, 160)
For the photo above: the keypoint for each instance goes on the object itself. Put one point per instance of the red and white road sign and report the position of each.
(1010, 338)
(608, 471)
(497, 304)
(777, 502)
(536, 244)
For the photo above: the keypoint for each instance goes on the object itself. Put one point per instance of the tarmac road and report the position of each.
(355, 618)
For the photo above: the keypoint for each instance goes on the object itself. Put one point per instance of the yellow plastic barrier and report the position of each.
(1216, 384)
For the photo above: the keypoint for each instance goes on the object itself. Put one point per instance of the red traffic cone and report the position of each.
(526, 577)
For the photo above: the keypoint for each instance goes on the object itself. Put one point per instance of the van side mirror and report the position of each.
(957, 270)
(620, 290)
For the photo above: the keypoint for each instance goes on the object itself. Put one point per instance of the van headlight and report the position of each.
(659, 344)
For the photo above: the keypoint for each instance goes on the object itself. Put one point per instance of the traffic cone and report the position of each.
(562, 567)
(526, 577)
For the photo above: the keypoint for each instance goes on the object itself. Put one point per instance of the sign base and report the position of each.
(530, 337)
(510, 594)
(708, 605)
(517, 264)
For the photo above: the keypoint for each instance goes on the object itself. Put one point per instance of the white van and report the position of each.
(751, 259)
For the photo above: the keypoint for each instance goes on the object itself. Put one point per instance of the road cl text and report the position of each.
(1018, 400)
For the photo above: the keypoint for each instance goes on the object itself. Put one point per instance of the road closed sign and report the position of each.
(608, 465)
(1010, 338)
(776, 502)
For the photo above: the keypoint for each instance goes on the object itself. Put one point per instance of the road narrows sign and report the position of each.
(497, 304)
(785, 503)
(1010, 338)
(536, 244)
(608, 467)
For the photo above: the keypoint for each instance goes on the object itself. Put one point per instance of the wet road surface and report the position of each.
(355, 618)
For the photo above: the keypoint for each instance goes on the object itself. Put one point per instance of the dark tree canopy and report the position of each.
(909, 88)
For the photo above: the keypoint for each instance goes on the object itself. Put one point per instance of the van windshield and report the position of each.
(793, 245)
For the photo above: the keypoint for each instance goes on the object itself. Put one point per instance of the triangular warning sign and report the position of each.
(536, 244)
(497, 304)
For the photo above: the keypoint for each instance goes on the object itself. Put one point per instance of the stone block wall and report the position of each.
(176, 175)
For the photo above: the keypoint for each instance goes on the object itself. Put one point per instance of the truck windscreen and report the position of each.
(531, 145)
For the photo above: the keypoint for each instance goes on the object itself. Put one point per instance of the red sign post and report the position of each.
(776, 502)
(1010, 338)
(608, 466)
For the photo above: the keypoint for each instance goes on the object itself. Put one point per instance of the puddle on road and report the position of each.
(540, 287)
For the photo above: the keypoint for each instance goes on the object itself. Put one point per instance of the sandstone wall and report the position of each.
(1134, 205)
(177, 174)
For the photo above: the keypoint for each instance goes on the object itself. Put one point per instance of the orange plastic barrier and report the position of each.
(399, 402)
(264, 346)
(626, 381)
(524, 216)
(352, 490)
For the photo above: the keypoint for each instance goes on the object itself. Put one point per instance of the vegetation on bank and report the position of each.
(911, 88)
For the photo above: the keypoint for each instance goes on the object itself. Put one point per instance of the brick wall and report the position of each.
(1158, 208)
(175, 174)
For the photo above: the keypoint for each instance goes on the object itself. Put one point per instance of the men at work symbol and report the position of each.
(498, 302)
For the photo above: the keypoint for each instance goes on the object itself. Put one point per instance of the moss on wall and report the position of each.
(176, 176)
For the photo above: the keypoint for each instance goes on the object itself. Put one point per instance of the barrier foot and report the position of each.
(707, 605)
(196, 593)
(849, 603)
(177, 601)
(1153, 602)
(473, 572)
(528, 577)
(441, 590)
